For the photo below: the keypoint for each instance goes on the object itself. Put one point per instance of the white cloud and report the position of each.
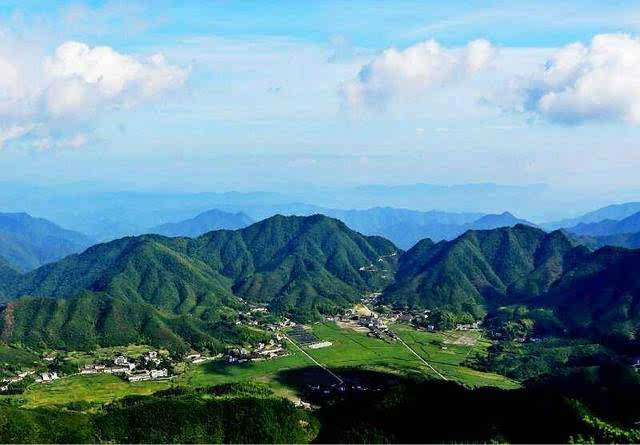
(74, 84)
(13, 132)
(598, 81)
(75, 141)
(401, 75)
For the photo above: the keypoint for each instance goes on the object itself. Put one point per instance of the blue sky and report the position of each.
(259, 95)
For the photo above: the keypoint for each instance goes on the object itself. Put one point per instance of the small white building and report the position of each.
(48, 376)
(121, 360)
(157, 373)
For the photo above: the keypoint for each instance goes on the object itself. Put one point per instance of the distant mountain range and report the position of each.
(607, 227)
(612, 212)
(106, 213)
(203, 223)
(628, 240)
(27, 242)
(402, 226)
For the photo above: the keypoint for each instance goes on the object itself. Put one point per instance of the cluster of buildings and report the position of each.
(133, 372)
(263, 351)
(148, 374)
(282, 324)
(43, 377)
(7, 381)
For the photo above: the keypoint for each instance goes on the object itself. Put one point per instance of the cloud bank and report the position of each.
(74, 84)
(598, 81)
(400, 75)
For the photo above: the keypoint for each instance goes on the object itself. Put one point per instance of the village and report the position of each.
(156, 365)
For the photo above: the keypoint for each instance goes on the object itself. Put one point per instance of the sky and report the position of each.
(247, 95)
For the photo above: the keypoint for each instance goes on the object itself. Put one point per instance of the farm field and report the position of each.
(94, 389)
(350, 349)
(354, 349)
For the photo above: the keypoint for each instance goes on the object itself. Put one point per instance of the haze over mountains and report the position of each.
(204, 222)
(27, 242)
(106, 212)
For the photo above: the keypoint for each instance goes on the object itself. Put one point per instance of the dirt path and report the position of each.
(333, 374)
(420, 358)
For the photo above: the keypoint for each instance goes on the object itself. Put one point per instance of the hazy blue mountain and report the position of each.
(607, 227)
(27, 242)
(205, 222)
(614, 212)
(107, 212)
(628, 240)
(504, 219)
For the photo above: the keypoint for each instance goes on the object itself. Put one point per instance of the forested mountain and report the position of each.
(205, 222)
(292, 263)
(588, 293)
(630, 224)
(185, 289)
(28, 242)
(600, 294)
(406, 227)
(482, 269)
(90, 320)
(8, 275)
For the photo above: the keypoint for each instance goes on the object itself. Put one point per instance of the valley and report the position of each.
(307, 311)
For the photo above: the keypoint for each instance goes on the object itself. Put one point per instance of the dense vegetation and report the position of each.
(592, 405)
(482, 269)
(181, 291)
(556, 287)
(242, 413)
(27, 242)
(599, 407)
(90, 320)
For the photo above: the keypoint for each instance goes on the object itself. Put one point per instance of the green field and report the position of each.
(350, 349)
(100, 388)
(354, 349)
(80, 358)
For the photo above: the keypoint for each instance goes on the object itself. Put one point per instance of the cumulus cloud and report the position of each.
(75, 83)
(399, 75)
(598, 81)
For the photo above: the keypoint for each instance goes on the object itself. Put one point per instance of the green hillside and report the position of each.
(530, 282)
(601, 294)
(480, 269)
(299, 264)
(180, 291)
(91, 320)
(141, 269)
(8, 275)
